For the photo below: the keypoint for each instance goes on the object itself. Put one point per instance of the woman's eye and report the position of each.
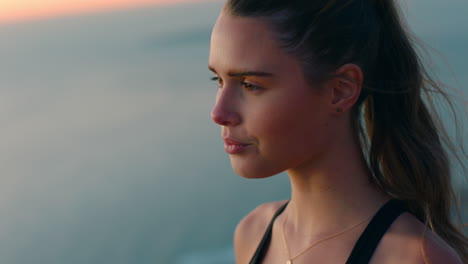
(248, 86)
(251, 87)
(217, 79)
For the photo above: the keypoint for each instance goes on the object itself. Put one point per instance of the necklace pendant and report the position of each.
(289, 262)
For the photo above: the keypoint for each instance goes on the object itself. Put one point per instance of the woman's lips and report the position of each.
(235, 149)
(232, 146)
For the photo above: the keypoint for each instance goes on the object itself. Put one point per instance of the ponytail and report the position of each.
(406, 156)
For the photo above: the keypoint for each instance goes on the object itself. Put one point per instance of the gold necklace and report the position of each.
(290, 259)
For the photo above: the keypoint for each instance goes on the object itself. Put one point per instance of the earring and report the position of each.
(339, 110)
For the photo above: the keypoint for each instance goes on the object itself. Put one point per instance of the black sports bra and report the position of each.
(367, 242)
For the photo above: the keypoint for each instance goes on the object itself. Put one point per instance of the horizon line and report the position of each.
(63, 11)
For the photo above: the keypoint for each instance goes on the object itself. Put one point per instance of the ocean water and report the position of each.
(107, 150)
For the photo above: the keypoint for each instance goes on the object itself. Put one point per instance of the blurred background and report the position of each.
(107, 150)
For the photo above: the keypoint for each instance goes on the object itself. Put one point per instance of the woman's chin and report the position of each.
(253, 176)
(253, 172)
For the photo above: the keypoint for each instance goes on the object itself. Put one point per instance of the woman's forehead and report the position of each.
(244, 43)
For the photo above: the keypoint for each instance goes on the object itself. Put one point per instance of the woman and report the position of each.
(331, 93)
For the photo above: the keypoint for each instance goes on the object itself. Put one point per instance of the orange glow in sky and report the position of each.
(18, 10)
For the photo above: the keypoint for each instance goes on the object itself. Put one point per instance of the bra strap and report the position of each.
(370, 238)
(263, 246)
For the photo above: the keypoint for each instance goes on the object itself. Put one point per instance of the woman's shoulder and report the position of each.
(251, 228)
(409, 241)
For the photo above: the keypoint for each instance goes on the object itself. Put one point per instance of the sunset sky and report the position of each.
(19, 10)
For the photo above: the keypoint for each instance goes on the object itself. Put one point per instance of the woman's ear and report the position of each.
(346, 87)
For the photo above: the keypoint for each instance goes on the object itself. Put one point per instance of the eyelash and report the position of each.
(250, 87)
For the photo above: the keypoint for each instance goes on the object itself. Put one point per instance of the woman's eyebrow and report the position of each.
(245, 73)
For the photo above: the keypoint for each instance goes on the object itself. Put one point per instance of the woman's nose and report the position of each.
(224, 112)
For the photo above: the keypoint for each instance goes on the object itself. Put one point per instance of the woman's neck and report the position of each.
(332, 193)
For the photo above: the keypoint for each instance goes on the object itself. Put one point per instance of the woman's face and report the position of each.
(271, 119)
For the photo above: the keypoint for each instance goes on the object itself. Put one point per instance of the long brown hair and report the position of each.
(405, 144)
